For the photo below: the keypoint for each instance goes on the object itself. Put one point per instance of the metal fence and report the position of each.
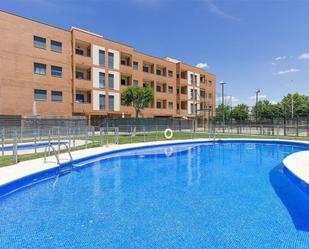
(17, 143)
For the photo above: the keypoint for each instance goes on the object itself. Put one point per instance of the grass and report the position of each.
(125, 139)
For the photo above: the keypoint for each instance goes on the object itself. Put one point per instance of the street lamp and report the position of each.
(222, 83)
(256, 101)
(292, 104)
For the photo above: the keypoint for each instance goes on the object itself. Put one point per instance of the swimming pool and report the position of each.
(195, 195)
(30, 146)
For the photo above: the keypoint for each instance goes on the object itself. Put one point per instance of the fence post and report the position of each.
(58, 141)
(101, 139)
(116, 135)
(2, 142)
(86, 138)
(307, 126)
(92, 134)
(69, 136)
(35, 138)
(49, 142)
(297, 127)
(15, 156)
(144, 131)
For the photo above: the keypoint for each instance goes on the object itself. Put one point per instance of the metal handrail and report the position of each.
(57, 154)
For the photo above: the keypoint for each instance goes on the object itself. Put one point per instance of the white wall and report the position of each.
(116, 58)
(116, 79)
(189, 73)
(95, 76)
(96, 99)
(116, 100)
(95, 54)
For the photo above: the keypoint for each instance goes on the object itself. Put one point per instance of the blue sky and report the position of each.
(249, 44)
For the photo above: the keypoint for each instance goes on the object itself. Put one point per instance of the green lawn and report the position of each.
(125, 139)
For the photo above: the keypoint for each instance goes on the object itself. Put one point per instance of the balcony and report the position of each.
(148, 67)
(83, 84)
(83, 60)
(160, 71)
(126, 80)
(126, 59)
(82, 48)
(82, 108)
(82, 72)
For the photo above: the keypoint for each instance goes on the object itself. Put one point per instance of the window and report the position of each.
(39, 42)
(111, 81)
(170, 105)
(159, 104)
(135, 82)
(159, 72)
(178, 91)
(101, 80)
(79, 75)
(102, 102)
(170, 89)
(101, 57)
(135, 65)
(209, 95)
(203, 94)
(39, 68)
(56, 71)
(170, 73)
(80, 98)
(210, 82)
(79, 51)
(159, 88)
(40, 94)
(146, 69)
(56, 96)
(56, 46)
(111, 103)
(110, 60)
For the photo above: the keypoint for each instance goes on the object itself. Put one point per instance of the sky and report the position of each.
(252, 44)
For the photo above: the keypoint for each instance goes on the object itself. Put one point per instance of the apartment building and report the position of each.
(49, 71)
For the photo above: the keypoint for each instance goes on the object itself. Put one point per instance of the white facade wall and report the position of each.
(95, 76)
(116, 100)
(95, 54)
(96, 99)
(116, 79)
(116, 58)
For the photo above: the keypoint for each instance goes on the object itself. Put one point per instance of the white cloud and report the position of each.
(216, 10)
(274, 63)
(202, 65)
(260, 97)
(279, 58)
(291, 70)
(303, 56)
(273, 102)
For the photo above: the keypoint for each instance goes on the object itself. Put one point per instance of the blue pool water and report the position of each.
(29, 146)
(221, 195)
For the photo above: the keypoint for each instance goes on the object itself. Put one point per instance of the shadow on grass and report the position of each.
(295, 200)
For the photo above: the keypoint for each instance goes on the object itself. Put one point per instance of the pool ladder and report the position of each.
(56, 154)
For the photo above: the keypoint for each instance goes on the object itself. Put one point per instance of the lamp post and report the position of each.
(292, 104)
(256, 101)
(222, 83)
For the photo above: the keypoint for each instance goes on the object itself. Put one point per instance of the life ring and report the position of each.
(168, 133)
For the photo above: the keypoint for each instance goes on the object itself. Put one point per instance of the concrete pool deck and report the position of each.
(297, 163)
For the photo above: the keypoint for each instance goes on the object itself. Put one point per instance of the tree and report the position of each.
(266, 110)
(223, 111)
(300, 102)
(137, 97)
(240, 112)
